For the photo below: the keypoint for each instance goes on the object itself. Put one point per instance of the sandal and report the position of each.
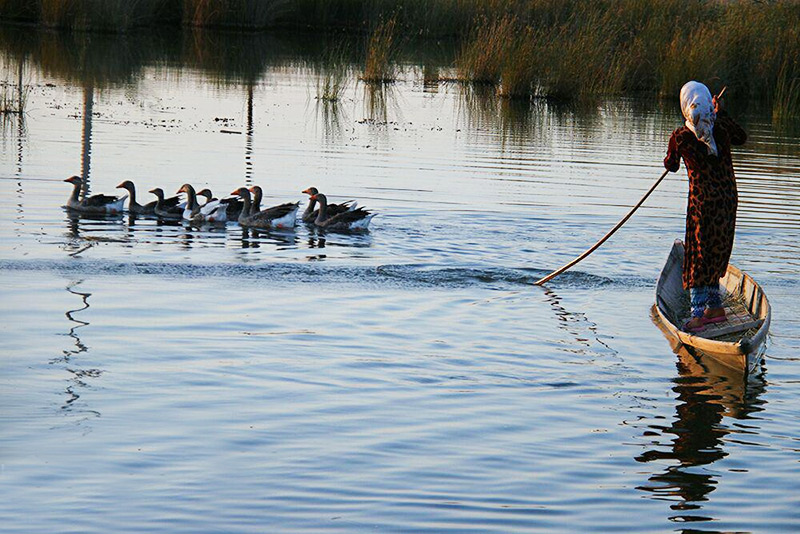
(712, 320)
(693, 329)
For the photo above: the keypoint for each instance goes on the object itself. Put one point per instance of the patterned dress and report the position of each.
(711, 210)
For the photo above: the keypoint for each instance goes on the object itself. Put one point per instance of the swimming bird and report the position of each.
(103, 204)
(357, 219)
(310, 214)
(280, 216)
(212, 211)
(147, 209)
(258, 194)
(233, 206)
(163, 210)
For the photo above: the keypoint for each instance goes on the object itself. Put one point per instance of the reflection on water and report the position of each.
(86, 139)
(80, 376)
(432, 388)
(707, 393)
(381, 102)
(580, 329)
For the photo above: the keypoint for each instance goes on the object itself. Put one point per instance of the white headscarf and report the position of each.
(698, 109)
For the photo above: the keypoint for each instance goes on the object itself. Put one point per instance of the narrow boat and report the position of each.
(736, 343)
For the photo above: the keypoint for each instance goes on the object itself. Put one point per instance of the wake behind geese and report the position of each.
(101, 204)
(355, 220)
(277, 217)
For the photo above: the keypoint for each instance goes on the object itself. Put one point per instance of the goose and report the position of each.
(211, 212)
(147, 209)
(258, 194)
(280, 216)
(163, 210)
(233, 206)
(357, 219)
(95, 203)
(310, 214)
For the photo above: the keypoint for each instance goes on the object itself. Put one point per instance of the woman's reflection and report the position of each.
(707, 392)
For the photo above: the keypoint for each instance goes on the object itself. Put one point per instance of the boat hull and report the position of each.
(739, 342)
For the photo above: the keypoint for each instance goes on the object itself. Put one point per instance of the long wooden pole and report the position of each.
(605, 237)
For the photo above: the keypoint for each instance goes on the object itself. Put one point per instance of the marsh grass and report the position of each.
(246, 14)
(13, 101)
(786, 101)
(560, 49)
(14, 95)
(104, 15)
(382, 51)
(333, 73)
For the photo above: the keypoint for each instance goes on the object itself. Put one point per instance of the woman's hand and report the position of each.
(717, 100)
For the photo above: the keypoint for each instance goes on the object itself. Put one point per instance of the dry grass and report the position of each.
(380, 66)
(562, 49)
(332, 74)
(247, 14)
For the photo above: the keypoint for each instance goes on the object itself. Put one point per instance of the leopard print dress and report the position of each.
(711, 210)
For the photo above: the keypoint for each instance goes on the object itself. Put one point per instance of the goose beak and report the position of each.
(306, 191)
(236, 193)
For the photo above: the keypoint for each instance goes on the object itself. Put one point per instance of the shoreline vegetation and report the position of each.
(558, 49)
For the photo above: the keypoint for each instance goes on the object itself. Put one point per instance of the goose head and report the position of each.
(186, 188)
(206, 192)
(242, 192)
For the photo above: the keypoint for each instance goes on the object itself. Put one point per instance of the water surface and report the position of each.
(161, 377)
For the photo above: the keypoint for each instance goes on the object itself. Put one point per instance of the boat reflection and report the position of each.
(707, 392)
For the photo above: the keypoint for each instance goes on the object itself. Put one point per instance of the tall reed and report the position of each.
(786, 101)
(247, 14)
(557, 48)
(382, 50)
(332, 74)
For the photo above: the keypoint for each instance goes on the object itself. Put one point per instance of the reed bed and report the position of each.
(560, 49)
(381, 53)
(332, 74)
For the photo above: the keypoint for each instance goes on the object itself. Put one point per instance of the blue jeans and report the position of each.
(704, 297)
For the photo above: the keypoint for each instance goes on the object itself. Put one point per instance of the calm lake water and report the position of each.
(165, 378)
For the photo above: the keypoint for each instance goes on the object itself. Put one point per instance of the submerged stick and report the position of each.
(605, 237)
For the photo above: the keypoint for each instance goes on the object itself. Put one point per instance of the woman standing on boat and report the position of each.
(704, 143)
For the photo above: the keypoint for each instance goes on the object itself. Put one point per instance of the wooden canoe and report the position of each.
(736, 343)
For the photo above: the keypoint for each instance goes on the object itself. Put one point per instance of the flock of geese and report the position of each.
(244, 207)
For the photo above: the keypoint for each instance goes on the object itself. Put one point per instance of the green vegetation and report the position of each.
(560, 49)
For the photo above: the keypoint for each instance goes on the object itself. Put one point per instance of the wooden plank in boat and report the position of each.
(738, 319)
(729, 327)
